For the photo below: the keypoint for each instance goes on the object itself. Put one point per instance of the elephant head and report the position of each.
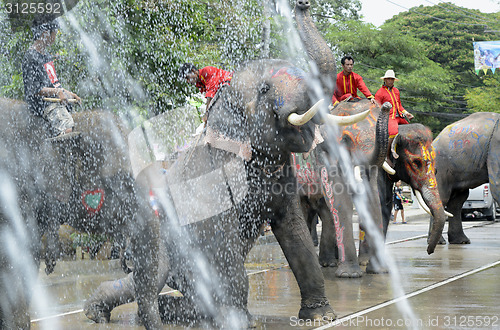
(414, 158)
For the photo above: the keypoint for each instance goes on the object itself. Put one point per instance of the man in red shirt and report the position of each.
(208, 80)
(349, 82)
(397, 115)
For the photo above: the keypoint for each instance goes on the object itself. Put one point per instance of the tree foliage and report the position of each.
(485, 98)
(448, 32)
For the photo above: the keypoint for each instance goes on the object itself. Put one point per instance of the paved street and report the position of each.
(456, 287)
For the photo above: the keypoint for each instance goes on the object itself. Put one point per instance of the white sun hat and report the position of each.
(389, 74)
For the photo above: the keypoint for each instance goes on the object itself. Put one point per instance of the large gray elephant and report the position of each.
(328, 192)
(262, 117)
(83, 179)
(467, 155)
(416, 165)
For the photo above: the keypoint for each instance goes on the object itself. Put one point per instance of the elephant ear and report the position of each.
(227, 126)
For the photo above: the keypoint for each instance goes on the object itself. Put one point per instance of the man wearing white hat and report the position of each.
(398, 115)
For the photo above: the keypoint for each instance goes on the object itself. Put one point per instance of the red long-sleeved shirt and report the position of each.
(385, 94)
(350, 84)
(211, 79)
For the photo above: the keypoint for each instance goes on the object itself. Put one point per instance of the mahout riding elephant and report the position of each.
(415, 162)
(83, 179)
(327, 191)
(467, 155)
(262, 117)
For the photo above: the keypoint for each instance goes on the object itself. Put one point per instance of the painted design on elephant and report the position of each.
(429, 155)
(360, 141)
(93, 200)
(427, 158)
(308, 179)
(290, 78)
(339, 229)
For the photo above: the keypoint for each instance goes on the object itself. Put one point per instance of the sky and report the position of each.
(377, 11)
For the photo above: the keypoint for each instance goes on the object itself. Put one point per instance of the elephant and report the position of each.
(335, 208)
(259, 119)
(467, 155)
(83, 179)
(416, 164)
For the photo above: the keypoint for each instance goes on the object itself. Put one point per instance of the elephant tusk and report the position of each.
(299, 120)
(388, 169)
(346, 120)
(357, 174)
(422, 203)
(448, 214)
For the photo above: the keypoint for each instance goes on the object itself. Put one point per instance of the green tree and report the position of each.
(423, 82)
(485, 98)
(448, 31)
(124, 54)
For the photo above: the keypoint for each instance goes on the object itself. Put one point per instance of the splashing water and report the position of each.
(112, 84)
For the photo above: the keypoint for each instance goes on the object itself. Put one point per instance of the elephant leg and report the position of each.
(49, 226)
(327, 245)
(310, 215)
(493, 164)
(456, 233)
(292, 234)
(145, 248)
(341, 223)
(107, 296)
(385, 195)
(373, 231)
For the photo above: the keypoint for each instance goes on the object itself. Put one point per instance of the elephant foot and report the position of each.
(327, 261)
(458, 239)
(375, 268)
(50, 264)
(180, 310)
(106, 297)
(349, 270)
(363, 259)
(441, 241)
(321, 311)
(97, 312)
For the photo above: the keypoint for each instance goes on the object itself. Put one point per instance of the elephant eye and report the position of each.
(264, 88)
(418, 163)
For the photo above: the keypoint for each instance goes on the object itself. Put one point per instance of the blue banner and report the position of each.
(486, 56)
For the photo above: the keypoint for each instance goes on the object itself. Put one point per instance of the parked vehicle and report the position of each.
(480, 204)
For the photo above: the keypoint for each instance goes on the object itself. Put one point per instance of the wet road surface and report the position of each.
(457, 287)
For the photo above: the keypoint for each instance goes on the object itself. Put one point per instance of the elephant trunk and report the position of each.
(381, 135)
(316, 46)
(433, 201)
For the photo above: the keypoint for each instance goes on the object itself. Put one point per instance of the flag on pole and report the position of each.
(486, 56)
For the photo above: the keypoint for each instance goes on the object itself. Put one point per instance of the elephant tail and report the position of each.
(382, 135)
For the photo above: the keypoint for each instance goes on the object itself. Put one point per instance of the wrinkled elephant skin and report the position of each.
(250, 114)
(416, 165)
(467, 155)
(323, 184)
